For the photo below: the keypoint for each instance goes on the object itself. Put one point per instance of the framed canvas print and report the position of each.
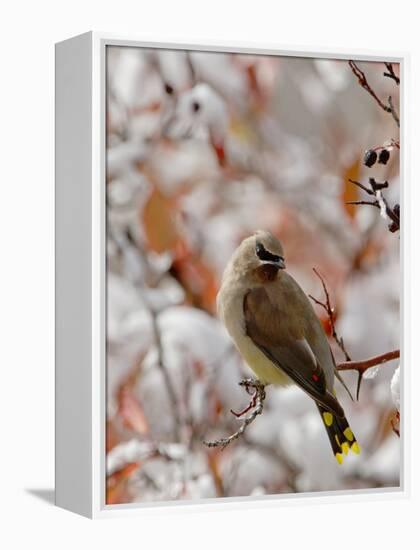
(229, 298)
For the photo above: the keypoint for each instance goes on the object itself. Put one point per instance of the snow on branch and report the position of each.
(379, 201)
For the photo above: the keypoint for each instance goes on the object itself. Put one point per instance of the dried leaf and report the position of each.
(132, 412)
(349, 190)
(112, 436)
(213, 458)
(197, 279)
(116, 484)
(158, 220)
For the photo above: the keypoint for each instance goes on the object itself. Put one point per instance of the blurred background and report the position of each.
(202, 150)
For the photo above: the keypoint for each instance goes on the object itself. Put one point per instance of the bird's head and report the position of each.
(259, 257)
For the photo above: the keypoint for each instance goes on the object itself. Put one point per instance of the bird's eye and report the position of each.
(260, 250)
(266, 256)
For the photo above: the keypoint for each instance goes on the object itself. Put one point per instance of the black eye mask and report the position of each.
(266, 256)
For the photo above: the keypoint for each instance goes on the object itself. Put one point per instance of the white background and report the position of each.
(28, 31)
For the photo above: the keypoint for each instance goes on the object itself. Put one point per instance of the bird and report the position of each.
(278, 334)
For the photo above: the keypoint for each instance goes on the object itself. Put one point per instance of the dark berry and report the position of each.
(168, 89)
(370, 158)
(383, 156)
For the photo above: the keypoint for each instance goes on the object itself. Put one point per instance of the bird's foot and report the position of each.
(257, 404)
(250, 406)
(251, 383)
(258, 388)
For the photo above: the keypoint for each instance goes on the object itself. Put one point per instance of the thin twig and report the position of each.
(380, 201)
(168, 382)
(391, 73)
(258, 398)
(369, 203)
(366, 86)
(366, 189)
(362, 366)
(393, 112)
(365, 364)
(390, 144)
(330, 312)
(357, 71)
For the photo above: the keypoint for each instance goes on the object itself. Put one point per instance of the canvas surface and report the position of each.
(203, 149)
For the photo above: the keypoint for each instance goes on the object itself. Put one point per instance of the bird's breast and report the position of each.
(231, 310)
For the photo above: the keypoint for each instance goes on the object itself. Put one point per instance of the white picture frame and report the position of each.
(81, 276)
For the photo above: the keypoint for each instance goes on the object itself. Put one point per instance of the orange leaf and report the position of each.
(159, 222)
(116, 484)
(131, 411)
(350, 191)
(213, 462)
(198, 280)
(129, 407)
(112, 437)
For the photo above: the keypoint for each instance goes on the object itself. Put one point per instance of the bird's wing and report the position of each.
(283, 341)
(339, 377)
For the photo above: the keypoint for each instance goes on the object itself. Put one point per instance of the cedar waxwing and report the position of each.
(278, 334)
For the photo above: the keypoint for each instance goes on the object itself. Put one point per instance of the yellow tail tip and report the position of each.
(349, 434)
(328, 418)
(355, 448)
(339, 458)
(345, 447)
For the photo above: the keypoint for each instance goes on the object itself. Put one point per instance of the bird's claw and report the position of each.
(249, 383)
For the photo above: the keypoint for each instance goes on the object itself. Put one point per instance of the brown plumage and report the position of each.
(289, 340)
(276, 330)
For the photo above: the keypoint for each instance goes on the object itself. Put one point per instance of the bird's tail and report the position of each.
(339, 433)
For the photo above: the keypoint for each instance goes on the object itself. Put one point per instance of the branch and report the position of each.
(389, 145)
(393, 112)
(257, 403)
(362, 366)
(380, 202)
(168, 382)
(391, 73)
(365, 364)
(330, 312)
(366, 86)
(370, 203)
(361, 77)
